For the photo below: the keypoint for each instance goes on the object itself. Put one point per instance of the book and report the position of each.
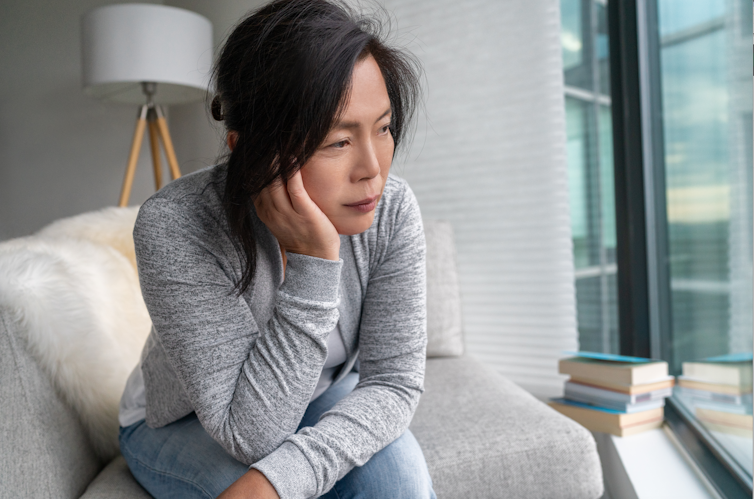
(629, 389)
(723, 373)
(725, 422)
(630, 373)
(627, 408)
(730, 430)
(616, 400)
(607, 356)
(693, 384)
(717, 406)
(726, 398)
(607, 420)
(732, 357)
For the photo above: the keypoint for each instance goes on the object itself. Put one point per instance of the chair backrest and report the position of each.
(444, 323)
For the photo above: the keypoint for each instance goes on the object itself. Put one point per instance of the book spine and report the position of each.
(713, 396)
(595, 372)
(714, 373)
(572, 388)
(615, 405)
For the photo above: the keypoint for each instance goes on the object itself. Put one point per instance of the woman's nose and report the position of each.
(367, 163)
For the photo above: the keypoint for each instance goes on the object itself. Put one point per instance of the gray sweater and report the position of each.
(248, 365)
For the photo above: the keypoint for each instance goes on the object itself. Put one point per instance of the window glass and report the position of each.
(706, 80)
(584, 40)
(570, 34)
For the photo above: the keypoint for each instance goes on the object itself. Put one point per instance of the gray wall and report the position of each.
(198, 139)
(61, 152)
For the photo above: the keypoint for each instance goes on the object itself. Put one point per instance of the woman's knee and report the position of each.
(179, 460)
(398, 471)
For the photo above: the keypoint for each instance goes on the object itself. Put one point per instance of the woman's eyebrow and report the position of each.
(348, 125)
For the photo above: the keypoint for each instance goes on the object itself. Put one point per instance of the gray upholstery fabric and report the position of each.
(45, 450)
(444, 326)
(115, 482)
(484, 437)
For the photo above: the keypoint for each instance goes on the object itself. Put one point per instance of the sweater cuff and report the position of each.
(289, 471)
(312, 279)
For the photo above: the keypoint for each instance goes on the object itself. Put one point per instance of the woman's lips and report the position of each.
(365, 205)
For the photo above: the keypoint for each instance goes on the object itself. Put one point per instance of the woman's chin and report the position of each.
(352, 225)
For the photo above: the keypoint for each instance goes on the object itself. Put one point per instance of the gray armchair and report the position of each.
(483, 436)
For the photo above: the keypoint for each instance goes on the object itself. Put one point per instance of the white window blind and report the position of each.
(490, 157)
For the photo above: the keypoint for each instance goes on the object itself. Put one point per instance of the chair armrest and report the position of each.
(484, 436)
(115, 482)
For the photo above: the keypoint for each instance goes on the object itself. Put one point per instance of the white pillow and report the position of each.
(75, 293)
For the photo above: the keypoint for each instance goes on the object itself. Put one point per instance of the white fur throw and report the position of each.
(73, 290)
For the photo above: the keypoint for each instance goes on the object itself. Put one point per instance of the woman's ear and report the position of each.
(232, 140)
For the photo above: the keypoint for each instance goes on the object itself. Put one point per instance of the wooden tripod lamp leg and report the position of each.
(154, 145)
(162, 126)
(133, 157)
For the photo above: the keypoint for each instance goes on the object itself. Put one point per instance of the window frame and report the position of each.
(645, 321)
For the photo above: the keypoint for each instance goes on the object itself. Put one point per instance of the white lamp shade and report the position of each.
(126, 44)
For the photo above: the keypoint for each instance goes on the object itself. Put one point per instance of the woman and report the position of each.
(268, 276)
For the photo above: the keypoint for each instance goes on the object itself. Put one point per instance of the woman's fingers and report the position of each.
(298, 197)
(278, 196)
(289, 197)
(296, 220)
(272, 201)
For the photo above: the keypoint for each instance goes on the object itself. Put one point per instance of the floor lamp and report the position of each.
(141, 54)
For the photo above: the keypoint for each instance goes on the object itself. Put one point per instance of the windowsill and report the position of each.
(647, 466)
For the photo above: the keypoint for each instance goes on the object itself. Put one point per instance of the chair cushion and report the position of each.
(444, 327)
(116, 482)
(46, 452)
(484, 437)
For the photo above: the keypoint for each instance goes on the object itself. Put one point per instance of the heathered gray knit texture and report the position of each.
(248, 365)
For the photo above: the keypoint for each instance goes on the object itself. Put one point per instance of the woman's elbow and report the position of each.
(249, 443)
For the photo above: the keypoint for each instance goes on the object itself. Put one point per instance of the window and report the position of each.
(706, 81)
(586, 69)
(659, 139)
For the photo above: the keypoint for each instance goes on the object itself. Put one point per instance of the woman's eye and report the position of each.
(339, 145)
(385, 129)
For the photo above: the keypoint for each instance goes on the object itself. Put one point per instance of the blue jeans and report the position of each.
(181, 460)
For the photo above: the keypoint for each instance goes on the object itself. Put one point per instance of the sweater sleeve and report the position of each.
(392, 355)
(237, 374)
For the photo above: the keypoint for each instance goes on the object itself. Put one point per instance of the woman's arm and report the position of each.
(392, 357)
(237, 374)
(252, 485)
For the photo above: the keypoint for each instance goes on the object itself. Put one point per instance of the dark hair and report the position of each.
(282, 80)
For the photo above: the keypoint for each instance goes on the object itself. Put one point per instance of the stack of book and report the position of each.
(719, 391)
(613, 393)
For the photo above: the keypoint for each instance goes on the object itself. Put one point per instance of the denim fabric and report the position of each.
(181, 460)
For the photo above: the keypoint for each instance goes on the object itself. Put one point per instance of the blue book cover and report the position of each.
(731, 357)
(561, 400)
(610, 357)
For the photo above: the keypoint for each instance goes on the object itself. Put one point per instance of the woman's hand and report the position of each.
(296, 221)
(252, 485)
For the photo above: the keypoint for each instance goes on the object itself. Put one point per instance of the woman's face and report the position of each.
(346, 175)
